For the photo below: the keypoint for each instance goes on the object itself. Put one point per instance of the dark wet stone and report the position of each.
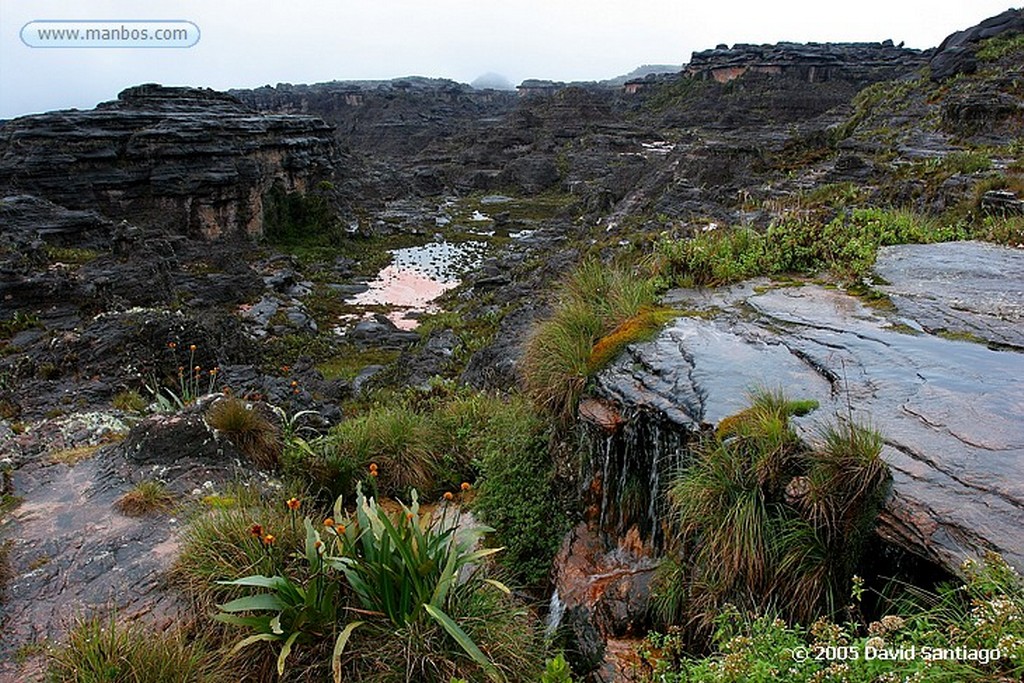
(364, 376)
(966, 288)
(949, 410)
(72, 554)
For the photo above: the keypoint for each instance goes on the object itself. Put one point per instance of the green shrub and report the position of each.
(594, 302)
(760, 519)
(291, 218)
(984, 614)
(104, 651)
(847, 245)
(419, 588)
(247, 428)
(517, 494)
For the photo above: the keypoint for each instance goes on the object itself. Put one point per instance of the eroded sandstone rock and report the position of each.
(189, 159)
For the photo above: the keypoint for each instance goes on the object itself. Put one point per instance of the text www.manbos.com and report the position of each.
(53, 33)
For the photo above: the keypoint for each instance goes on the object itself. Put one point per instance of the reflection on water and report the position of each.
(416, 277)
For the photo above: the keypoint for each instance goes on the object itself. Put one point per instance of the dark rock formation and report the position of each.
(948, 409)
(956, 54)
(25, 219)
(393, 119)
(187, 159)
(810, 62)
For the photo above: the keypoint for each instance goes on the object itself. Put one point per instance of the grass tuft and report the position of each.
(600, 309)
(762, 519)
(145, 498)
(250, 432)
(103, 651)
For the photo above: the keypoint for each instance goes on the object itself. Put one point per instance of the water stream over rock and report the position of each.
(950, 410)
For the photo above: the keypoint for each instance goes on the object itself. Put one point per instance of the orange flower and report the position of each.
(373, 473)
(268, 539)
(448, 495)
(465, 486)
(408, 516)
(373, 467)
(296, 391)
(172, 345)
(340, 528)
(294, 504)
(295, 382)
(256, 530)
(192, 347)
(328, 522)
(318, 544)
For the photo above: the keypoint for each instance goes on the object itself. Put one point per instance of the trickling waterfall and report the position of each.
(556, 609)
(627, 471)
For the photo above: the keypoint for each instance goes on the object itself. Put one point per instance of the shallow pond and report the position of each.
(417, 276)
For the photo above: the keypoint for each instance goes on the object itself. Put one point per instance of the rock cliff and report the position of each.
(191, 160)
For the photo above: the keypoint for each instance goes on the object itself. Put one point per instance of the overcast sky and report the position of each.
(248, 43)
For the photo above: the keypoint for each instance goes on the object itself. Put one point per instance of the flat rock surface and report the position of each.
(951, 411)
(960, 288)
(71, 554)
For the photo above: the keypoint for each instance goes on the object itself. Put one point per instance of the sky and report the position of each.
(249, 43)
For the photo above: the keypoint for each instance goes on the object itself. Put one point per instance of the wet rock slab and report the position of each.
(72, 554)
(951, 411)
(965, 288)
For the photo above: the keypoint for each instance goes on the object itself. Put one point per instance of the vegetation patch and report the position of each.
(103, 651)
(130, 401)
(596, 304)
(761, 520)
(519, 494)
(999, 46)
(349, 361)
(18, 322)
(388, 596)
(984, 615)
(73, 456)
(230, 535)
(846, 246)
(146, 497)
(248, 429)
(70, 255)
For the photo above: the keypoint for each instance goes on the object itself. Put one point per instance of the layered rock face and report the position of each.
(811, 62)
(187, 159)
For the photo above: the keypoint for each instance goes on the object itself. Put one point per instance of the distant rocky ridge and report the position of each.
(811, 62)
(956, 54)
(192, 160)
